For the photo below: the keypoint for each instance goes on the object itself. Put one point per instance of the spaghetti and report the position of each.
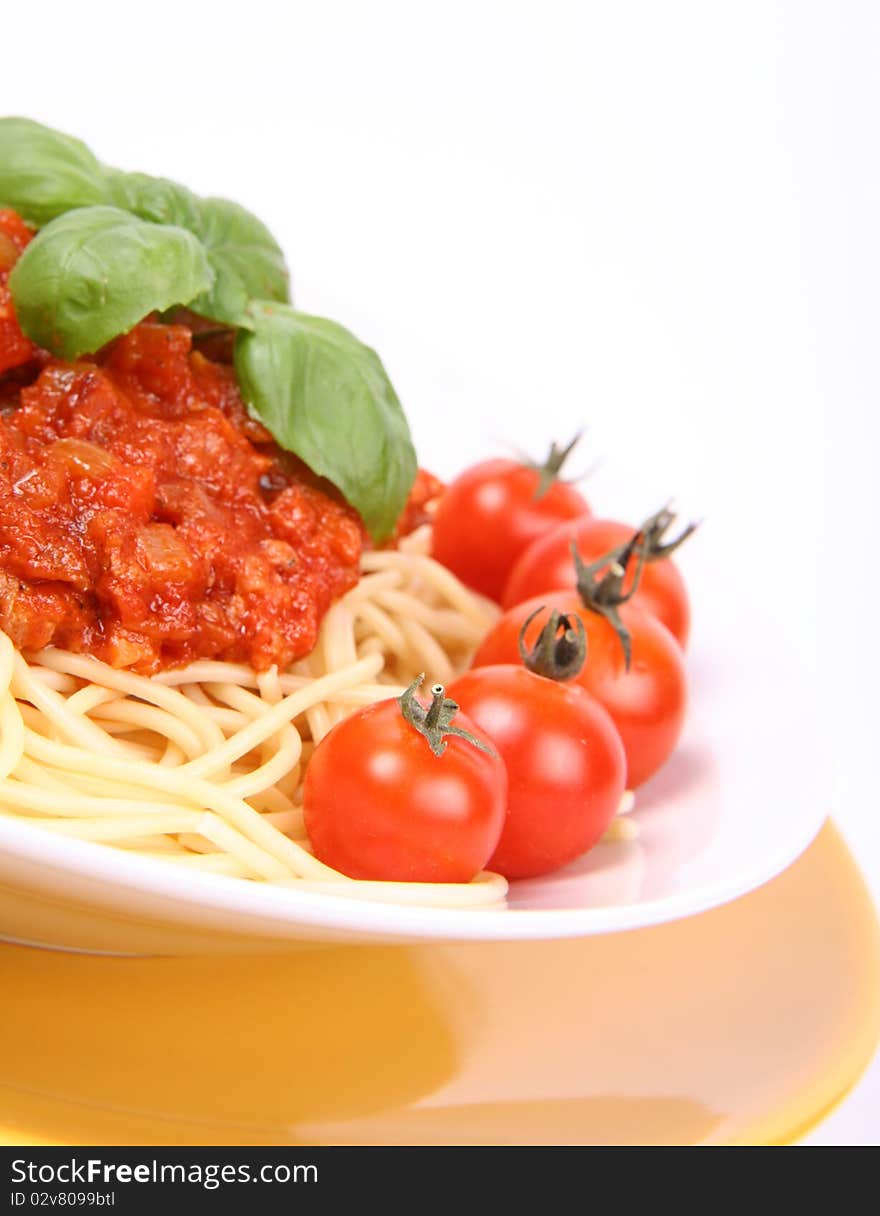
(203, 766)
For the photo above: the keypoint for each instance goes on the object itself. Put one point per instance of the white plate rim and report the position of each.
(317, 911)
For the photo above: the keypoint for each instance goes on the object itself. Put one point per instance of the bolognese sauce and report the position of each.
(146, 518)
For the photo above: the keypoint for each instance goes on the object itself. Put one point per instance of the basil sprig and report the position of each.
(325, 396)
(114, 247)
(44, 174)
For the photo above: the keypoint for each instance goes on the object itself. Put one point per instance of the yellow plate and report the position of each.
(742, 1025)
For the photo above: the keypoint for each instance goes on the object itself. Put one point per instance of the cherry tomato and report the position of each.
(646, 703)
(379, 803)
(492, 512)
(547, 564)
(565, 765)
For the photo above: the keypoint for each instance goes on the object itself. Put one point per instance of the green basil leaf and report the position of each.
(327, 397)
(44, 173)
(92, 274)
(246, 260)
(152, 198)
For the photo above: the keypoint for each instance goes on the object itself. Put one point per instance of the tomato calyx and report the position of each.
(549, 471)
(605, 595)
(561, 648)
(652, 546)
(435, 721)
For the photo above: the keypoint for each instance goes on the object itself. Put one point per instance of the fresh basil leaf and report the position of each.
(246, 260)
(44, 173)
(92, 274)
(327, 397)
(152, 198)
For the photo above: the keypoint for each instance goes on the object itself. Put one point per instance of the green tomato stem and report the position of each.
(549, 471)
(556, 655)
(434, 722)
(606, 595)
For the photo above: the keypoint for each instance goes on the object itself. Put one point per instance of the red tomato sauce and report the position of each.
(145, 518)
(420, 506)
(15, 348)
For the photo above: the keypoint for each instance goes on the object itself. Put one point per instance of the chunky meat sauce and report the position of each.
(144, 517)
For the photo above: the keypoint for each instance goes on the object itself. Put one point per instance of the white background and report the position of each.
(659, 219)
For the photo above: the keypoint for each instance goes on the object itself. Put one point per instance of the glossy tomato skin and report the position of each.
(647, 703)
(565, 763)
(490, 514)
(547, 565)
(380, 805)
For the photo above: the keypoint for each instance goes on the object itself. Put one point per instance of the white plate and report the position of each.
(743, 795)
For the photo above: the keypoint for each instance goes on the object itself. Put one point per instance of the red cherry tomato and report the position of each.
(379, 803)
(547, 564)
(490, 514)
(565, 765)
(647, 703)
